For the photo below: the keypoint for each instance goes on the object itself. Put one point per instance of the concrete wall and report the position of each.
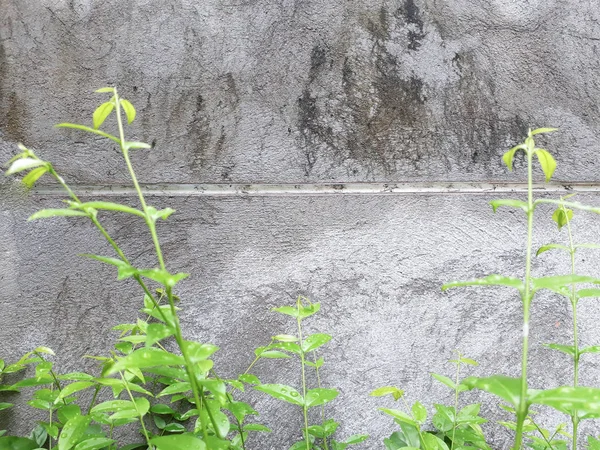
(341, 150)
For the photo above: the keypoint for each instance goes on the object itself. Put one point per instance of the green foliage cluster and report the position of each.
(166, 386)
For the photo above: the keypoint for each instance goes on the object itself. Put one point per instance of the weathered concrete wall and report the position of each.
(314, 93)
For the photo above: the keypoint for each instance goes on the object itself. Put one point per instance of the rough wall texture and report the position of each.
(292, 93)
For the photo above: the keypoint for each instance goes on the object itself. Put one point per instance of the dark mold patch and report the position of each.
(379, 26)
(411, 15)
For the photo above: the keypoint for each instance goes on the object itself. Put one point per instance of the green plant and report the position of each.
(576, 401)
(454, 428)
(317, 436)
(175, 397)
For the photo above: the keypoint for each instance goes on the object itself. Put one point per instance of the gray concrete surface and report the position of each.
(321, 99)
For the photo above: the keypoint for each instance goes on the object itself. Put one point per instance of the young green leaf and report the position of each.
(4, 405)
(509, 155)
(17, 443)
(46, 213)
(145, 357)
(567, 349)
(156, 332)
(419, 412)
(134, 145)
(509, 202)
(106, 89)
(73, 431)
(315, 341)
(547, 247)
(30, 179)
(583, 400)
(185, 441)
(24, 164)
(76, 126)
(94, 443)
(388, 390)
(542, 130)
(591, 349)
(490, 280)
(444, 380)
(400, 416)
(101, 113)
(320, 396)
(562, 217)
(557, 283)
(72, 388)
(109, 206)
(507, 388)
(129, 110)
(282, 392)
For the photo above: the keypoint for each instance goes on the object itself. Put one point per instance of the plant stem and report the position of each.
(93, 399)
(197, 391)
(523, 406)
(455, 401)
(572, 249)
(304, 407)
(126, 383)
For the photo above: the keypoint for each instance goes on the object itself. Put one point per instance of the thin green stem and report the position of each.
(302, 362)
(455, 401)
(523, 405)
(576, 356)
(141, 416)
(409, 411)
(96, 391)
(325, 444)
(548, 441)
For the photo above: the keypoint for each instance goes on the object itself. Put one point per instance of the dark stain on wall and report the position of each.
(198, 133)
(11, 109)
(411, 15)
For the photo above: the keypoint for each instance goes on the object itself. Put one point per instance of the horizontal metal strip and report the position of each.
(406, 188)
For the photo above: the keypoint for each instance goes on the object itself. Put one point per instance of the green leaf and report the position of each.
(315, 341)
(145, 357)
(400, 416)
(271, 354)
(106, 89)
(507, 388)
(133, 145)
(444, 380)
(46, 213)
(509, 155)
(129, 110)
(30, 179)
(320, 396)
(285, 338)
(176, 388)
(570, 400)
(39, 435)
(591, 349)
(123, 409)
(17, 443)
(156, 332)
(388, 390)
(568, 349)
(95, 443)
(542, 130)
(109, 206)
(199, 352)
(559, 282)
(240, 410)
(562, 217)
(73, 431)
(282, 392)
(248, 378)
(508, 202)
(588, 293)
(545, 248)
(444, 417)
(23, 164)
(419, 412)
(72, 388)
(76, 126)
(593, 443)
(101, 113)
(573, 205)
(5, 405)
(178, 442)
(162, 276)
(490, 280)
(288, 310)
